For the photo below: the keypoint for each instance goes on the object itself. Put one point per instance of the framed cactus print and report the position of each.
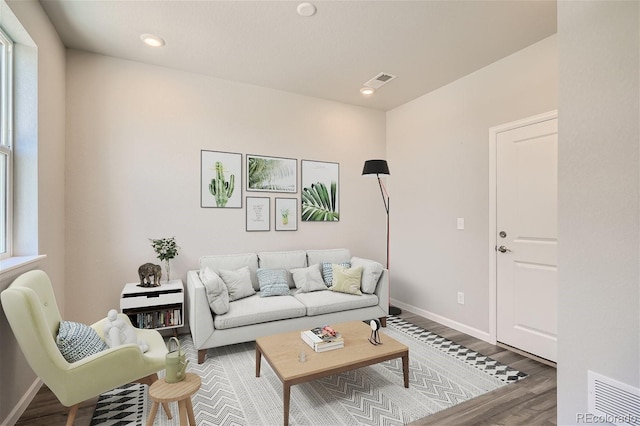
(258, 211)
(220, 179)
(320, 191)
(286, 214)
(272, 174)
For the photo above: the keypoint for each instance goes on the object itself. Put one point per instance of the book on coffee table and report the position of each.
(321, 342)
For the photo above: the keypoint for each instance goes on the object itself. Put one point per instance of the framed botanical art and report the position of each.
(220, 179)
(258, 211)
(320, 191)
(286, 214)
(272, 174)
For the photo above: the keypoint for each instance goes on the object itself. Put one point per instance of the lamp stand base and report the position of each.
(394, 310)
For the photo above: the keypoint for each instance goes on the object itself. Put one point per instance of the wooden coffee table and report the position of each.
(281, 351)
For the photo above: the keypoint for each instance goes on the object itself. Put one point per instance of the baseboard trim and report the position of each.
(474, 332)
(23, 403)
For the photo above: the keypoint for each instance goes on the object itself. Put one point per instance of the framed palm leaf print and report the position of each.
(320, 191)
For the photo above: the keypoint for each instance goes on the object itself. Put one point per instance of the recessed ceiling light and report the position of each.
(367, 91)
(152, 40)
(306, 9)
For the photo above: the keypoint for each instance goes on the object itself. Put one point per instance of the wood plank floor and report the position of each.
(531, 401)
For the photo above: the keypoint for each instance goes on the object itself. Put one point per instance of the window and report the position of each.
(6, 142)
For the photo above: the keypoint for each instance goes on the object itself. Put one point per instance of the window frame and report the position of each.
(6, 141)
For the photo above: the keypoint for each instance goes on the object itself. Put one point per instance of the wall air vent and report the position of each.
(379, 80)
(611, 401)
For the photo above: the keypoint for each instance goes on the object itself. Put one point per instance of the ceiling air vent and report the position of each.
(379, 80)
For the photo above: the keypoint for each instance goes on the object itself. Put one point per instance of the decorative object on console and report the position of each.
(377, 168)
(286, 214)
(322, 339)
(258, 210)
(218, 174)
(166, 249)
(272, 174)
(320, 191)
(375, 332)
(148, 270)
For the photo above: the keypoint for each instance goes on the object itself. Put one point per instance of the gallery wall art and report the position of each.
(220, 179)
(286, 214)
(258, 214)
(320, 191)
(272, 174)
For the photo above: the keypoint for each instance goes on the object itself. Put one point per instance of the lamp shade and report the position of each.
(375, 167)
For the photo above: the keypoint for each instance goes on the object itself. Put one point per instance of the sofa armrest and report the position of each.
(382, 291)
(200, 316)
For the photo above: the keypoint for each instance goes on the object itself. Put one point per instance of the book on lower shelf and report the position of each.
(319, 342)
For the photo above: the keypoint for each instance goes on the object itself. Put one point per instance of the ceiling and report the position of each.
(329, 55)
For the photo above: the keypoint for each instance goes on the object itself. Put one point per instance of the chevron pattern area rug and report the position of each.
(441, 374)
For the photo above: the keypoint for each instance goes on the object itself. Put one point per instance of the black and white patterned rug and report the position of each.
(441, 374)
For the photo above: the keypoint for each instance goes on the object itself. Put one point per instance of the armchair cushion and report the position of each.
(77, 341)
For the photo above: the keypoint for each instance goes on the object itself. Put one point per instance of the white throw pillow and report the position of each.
(371, 271)
(308, 279)
(217, 293)
(238, 283)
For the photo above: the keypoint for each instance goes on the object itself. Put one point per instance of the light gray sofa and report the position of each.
(255, 316)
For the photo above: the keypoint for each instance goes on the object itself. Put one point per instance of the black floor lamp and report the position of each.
(380, 167)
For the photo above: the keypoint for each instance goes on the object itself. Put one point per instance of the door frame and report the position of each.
(493, 238)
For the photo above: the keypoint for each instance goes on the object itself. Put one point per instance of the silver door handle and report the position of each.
(503, 249)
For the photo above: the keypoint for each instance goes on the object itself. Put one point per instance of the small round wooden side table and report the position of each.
(161, 391)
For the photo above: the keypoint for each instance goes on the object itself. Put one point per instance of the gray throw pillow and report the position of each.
(273, 282)
(371, 271)
(238, 283)
(77, 341)
(217, 293)
(308, 279)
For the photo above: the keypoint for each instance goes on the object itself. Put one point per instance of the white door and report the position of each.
(527, 237)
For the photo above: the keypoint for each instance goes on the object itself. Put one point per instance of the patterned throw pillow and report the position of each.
(77, 341)
(273, 282)
(308, 279)
(327, 271)
(347, 280)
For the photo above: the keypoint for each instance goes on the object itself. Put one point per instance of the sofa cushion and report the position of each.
(233, 262)
(217, 293)
(273, 282)
(283, 260)
(308, 279)
(371, 271)
(327, 271)
(238, 283)
(256, 310)
(331, 256)
(347, 280)
(326, 302)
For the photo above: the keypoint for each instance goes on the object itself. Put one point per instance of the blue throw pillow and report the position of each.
(327, 271)
(77, 341)
(273, 282)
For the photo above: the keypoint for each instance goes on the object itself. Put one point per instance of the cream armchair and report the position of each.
(30, 306)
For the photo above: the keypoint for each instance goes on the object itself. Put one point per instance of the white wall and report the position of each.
(599, 165)
(39, 179)
(438, 152)
(134, 135)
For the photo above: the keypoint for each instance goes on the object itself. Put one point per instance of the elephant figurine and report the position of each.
(148, 270)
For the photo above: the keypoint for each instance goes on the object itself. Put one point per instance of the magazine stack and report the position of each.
(322, 339)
